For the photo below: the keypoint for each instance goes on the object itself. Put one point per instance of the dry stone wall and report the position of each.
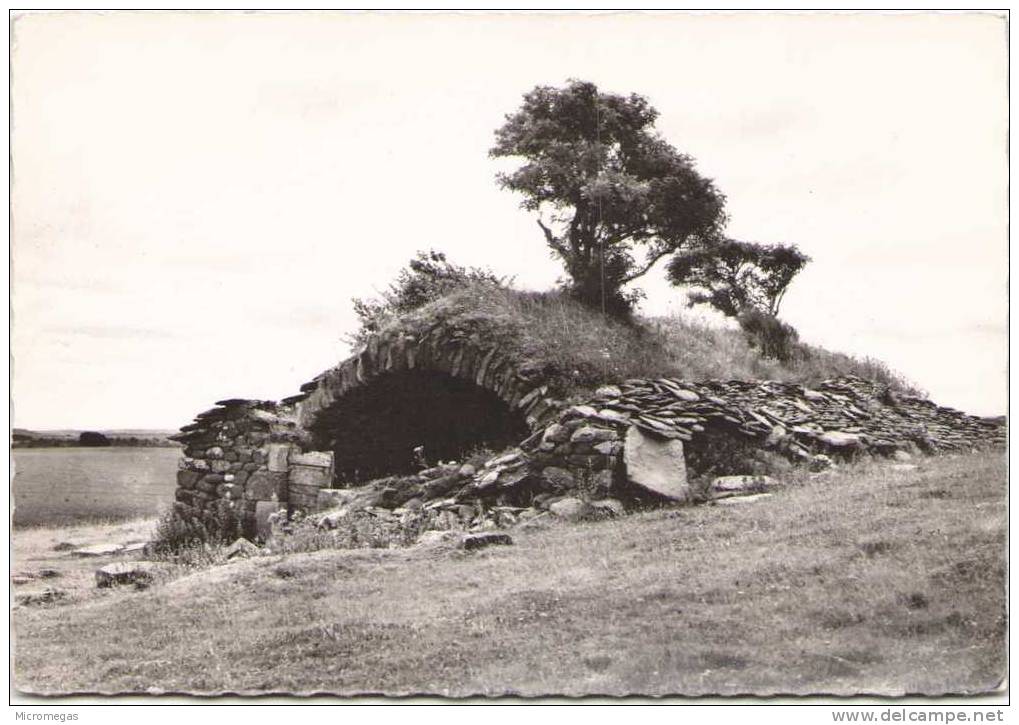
(242, 462)
(443, 349)
(619, 443)
(642, 439)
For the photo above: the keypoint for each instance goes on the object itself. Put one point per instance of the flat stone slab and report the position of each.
(436, 538)
(572, 509)
(840, 439)
(98, 550)
(321, 459)
(241, 548)
(470, 542)
(127, 572)
(742, 499)
(656, 464)
(738, 485)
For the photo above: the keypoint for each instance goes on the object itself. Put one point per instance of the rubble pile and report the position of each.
(846, 412)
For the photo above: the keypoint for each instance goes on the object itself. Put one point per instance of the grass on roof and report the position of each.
(578, 348)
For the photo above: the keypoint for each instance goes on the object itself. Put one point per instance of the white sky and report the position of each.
(197, 197)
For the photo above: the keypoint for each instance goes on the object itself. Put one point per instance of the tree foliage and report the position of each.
(735, 277)
(612, 196)
(92, 438)
(772, 337)
(428, 276)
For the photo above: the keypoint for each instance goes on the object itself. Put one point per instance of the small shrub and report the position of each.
(426, 278)
(183, 534)
(775, 339)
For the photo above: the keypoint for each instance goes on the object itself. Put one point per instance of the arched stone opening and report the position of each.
(374, 429)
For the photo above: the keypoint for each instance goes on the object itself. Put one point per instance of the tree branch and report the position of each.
(551, 238)
(646, 268)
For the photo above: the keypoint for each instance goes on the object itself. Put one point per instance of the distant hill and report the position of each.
(118, 437)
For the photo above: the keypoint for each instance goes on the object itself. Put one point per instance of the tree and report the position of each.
(735, 277)
(428, 276)
(612, 196)
(746, 281)
(91, 439)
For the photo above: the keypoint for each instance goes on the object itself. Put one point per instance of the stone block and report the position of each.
(737, 485)
(609, 448)
(322, 459)
(188, 479)
(138, 573)
(310, 476)
(442, 486)
(592, 434)
(470, 542)
(242, 548)
(744, 499)
(277, 456)
(656, 465)
(572, 509)
(560, 479)
(219, 466)
(841, 439)
(229, 491)
(214, 452)
(556, 433)
(263, 510)
(266, 486)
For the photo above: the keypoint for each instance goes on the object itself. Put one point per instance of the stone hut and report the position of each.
(436, 393)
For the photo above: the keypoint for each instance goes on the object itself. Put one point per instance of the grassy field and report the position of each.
(866, 580)
(70, 485)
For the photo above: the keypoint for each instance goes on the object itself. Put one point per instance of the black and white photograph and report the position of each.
(509, 357)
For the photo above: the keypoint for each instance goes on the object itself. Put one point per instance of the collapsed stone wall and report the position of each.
(619, 442)
(647, 439)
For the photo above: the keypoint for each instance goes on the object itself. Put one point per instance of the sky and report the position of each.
(197, 197)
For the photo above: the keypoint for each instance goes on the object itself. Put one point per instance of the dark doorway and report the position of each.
(374, 429)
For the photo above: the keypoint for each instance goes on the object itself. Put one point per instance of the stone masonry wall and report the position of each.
(626, 442)
(443, 349)
(242, 459)
(599, 446)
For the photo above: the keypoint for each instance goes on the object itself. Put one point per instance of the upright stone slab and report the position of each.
(263, 510)
(309, 473)
(656, 465)
(278, 455)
